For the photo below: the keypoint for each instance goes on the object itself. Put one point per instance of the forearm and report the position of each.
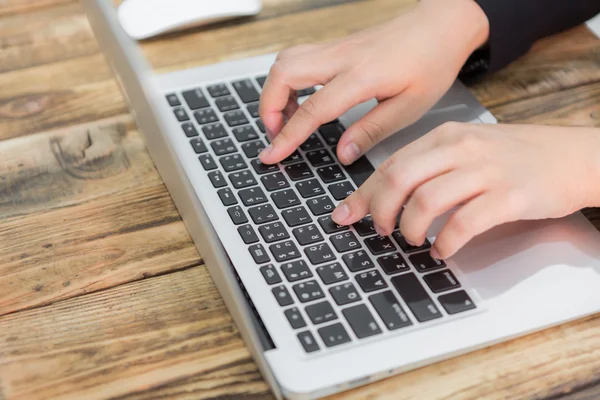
(516, 24)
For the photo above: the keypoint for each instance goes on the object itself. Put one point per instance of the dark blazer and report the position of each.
(516, 24)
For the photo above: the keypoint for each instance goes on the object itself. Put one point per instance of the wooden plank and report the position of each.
(171, 334)
(82, 211)
(8, 7)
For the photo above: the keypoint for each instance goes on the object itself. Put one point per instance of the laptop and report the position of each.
(324, 308)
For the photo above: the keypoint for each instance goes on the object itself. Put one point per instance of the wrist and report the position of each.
(463, 23)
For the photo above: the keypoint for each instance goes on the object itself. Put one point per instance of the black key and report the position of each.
(248, 234)
(358, 261)
(292, 158)
(251, 149)
(329, 226)
(263, 214)
(217, 179)
(415, 297)
(273, 232)
(181, 114)
(341, 190)
(334, 335)
(319, 253)
(365, 226)
(332, 273)
(235, 118)
(308, 291)
(244, 133)
(308, 341)
(332, 173)
(296, 216)
(285, 198)
(296, 271)
(393, 264)
(423, 262)
(310, 188)
(274, 181)
(227, 197)
(441, 281)
(189, 129)
(370, 281)
(173, 100)
(214, 131)
(306, 92)
(345, 241)
(259, 254)
(320, 312)
(237, 215)
(320, 205)
(389, 309)
(270, 274)
(312, 143)
(284, 251)
(261, 168)
(284, 298)
(195, 99)
(242, 179)
(207, 162)
(299, 171)
(360, 170)
(252, 196)
(253, 110)
(332, 133)
(318, 158)
(344, 294)
(206, 116)
(295, 318)
(261, 80)
(380, 245)
(308, 234)
(223, 146)
(245, 89)
(456, 302)
(198, 145)
(407, 248)
(227, 103)
(260, 125)
(218, 90)
(232, 163)
(361, 321)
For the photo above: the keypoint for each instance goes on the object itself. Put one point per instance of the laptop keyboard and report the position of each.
(340, 284)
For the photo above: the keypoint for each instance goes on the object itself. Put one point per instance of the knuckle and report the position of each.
(372, 131)
(424, 200)
(309, 109)
(461, 225)
(447, 130)
(396, 178)
(470, 143)
(278, 71)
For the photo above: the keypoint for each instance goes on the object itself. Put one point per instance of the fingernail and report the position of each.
(341, 213)
(265, 152)
(434, 254)
(378, 230)
(351, 152)
(410, 241)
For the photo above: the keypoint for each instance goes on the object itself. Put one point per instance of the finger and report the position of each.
(287, 76)
(403, 177)
(435, 197)
(356, 206)
(296, 51)
(386, 118)
(291, 107)
(330, 102)
(477, 216)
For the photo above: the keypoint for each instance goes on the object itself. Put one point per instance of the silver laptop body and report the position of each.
(316, 326)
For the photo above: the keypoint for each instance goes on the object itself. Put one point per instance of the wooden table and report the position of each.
(102, 293)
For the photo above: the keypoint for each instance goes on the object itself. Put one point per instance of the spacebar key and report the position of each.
(360, 170)
(415, 297)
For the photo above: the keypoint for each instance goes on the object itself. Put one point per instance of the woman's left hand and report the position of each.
(493, 173)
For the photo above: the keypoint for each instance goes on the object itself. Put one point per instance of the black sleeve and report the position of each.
(516, 24)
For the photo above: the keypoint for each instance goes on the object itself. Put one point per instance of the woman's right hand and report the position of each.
(406, 64)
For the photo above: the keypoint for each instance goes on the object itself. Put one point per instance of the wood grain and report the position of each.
(102, 294)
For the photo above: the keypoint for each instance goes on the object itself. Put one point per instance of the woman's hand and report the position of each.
(407, 64)
(492, 173)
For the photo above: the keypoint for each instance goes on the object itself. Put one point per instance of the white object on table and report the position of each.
(594, 25)
(143, 19)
